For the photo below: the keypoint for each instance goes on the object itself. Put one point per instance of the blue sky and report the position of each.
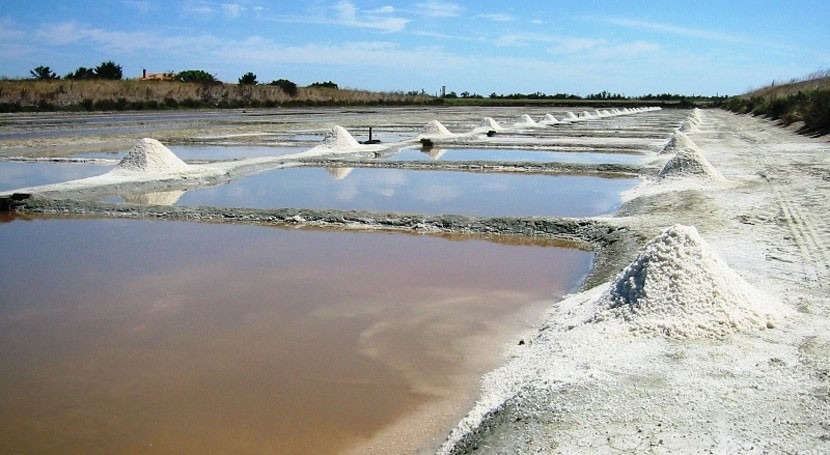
(479, 46)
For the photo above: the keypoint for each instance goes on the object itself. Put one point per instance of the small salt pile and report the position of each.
(690, 162)
(339, 138)
(150, 155)
(525, 120)
(550, 119)
(678, 287)
(435, 128)
(678, 141)
(491, 124)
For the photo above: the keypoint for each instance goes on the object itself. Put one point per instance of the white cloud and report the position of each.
(379, 19)
(437, 8)
(233, 10)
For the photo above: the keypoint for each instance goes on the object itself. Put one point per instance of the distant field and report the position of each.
(22, 95)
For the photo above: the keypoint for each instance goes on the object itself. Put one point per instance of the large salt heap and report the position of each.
(150, 155)
(679, 287)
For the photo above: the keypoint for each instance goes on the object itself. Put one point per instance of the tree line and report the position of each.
(110, 70)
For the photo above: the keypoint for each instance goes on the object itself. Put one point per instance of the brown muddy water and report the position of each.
(124, 336)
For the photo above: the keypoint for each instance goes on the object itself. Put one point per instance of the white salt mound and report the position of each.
(679, 287)
(570, 116)
(525, 120)
(678, 141)
(339, 138)
(689, 162)
(435, 127)
(550, 119)
(490, 123)
(150, 155)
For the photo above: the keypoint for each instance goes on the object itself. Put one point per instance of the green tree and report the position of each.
(109, 70)
(43, 73)
(286, 86)
(196, 76)
(248, 78)
(82, 73)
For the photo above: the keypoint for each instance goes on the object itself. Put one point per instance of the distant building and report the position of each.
(145, 76)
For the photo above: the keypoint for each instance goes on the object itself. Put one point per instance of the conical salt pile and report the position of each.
(150, 155)
(435, 127)
(339, 138)
(678, 141)
(525, 120)
(490, 123)
(550, 119)
(570, 116)
(679, 287)
(688, 162)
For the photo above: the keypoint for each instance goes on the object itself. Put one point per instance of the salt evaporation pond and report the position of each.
(14, 174)
(123, 336)
(210, 152)
(514, 155)
(408, 191)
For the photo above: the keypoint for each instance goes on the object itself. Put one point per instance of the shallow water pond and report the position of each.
(15, 175)
(122, 336)
(514, 155)
(408, 191)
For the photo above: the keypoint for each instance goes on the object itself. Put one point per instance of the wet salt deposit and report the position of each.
(193, 338)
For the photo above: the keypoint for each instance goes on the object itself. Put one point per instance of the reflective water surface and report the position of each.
(518, 155)
(15, 175)
(129, 336)
(408, 191)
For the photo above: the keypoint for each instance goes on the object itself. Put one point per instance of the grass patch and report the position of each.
(804, 100)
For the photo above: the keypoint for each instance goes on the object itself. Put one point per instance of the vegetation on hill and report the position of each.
(804, 100)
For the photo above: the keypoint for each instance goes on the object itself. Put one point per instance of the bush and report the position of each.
(286, 86)
(196, 76)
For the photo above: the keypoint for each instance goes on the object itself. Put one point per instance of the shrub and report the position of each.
(196, 76)
(248, 78)
(109, 70)
(286, 86)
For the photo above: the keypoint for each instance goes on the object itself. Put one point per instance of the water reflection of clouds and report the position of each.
(15, 175)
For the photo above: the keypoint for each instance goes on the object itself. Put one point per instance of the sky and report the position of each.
(701, 47)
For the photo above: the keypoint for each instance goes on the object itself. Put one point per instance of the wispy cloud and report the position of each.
(674, 29)
(142, 6)
(496, 17)
(70, 33)
(193, 8)
(437, 8)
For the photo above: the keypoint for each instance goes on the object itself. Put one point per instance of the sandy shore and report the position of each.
(602, 385)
